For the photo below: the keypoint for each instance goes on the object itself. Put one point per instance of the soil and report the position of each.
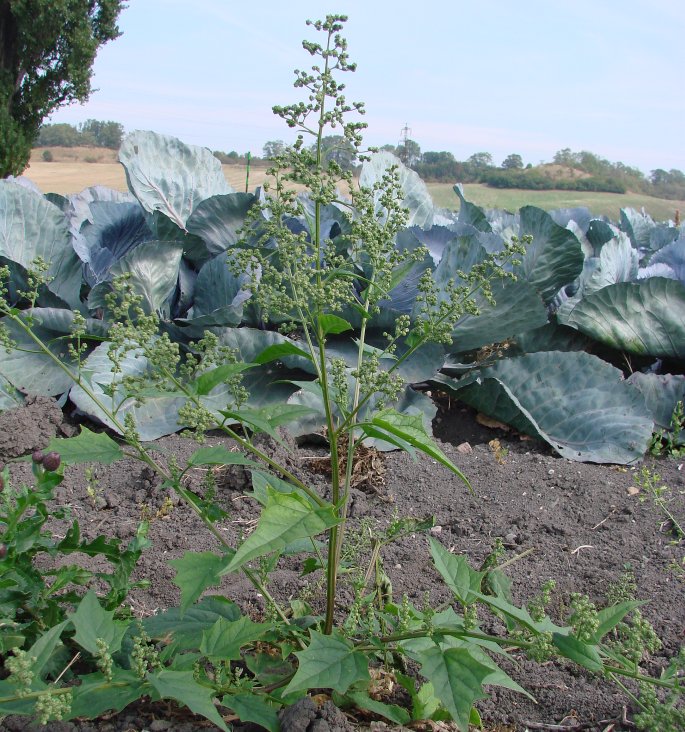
(582, 525)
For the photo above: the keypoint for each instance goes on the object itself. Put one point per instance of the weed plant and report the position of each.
(670, 442)
(206, 654)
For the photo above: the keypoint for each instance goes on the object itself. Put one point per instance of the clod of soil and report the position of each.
(25, 430)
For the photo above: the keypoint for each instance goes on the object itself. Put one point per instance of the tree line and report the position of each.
(577, 171)
(91, 133)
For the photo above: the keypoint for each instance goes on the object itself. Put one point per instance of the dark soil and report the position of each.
(583, 523)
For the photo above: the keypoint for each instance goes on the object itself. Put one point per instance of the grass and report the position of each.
(70, 173)
(511, 199)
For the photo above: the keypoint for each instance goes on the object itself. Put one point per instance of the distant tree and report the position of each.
(273, 148)
(480, 160)
(566, 157)
(102, 134)
(409, 152)
(513, 162)
(59, 135)
(677, 176)
(389, 148)
(659, 177)
(339, 150)
(47, 50)
(431, 157)
(439, 166)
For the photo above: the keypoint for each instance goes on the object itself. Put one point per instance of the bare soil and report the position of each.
(583, 524)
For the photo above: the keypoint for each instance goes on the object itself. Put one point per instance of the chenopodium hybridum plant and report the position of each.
(317, 287)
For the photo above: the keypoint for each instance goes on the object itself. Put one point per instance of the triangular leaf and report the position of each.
(87, 447)
(333, 324)
(457, 573)
(328, 662)
(223, 641)
(285, 518)
(457, 679)
(211, 379)
(195, 572)
(186, 628)
(182, 686)
(91, 623)
(252, 708)
(581, 653)
(409, 427)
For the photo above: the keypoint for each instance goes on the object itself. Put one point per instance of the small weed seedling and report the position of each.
(652, 489)
(670, 442)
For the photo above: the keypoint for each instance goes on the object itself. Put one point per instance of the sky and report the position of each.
(529, 77)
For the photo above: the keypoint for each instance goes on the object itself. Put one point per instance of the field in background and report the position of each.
(511, 199)
(74, 169)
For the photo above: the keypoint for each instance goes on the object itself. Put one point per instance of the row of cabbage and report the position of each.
(590, 296)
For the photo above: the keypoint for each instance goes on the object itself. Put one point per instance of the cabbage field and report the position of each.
(583, 349)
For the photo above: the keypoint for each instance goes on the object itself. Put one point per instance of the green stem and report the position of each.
(609, 670)
(62, 691)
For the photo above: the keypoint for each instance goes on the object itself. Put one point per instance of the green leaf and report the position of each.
(425, 705)
(470, 213)
(458, 575)
(518, 308)
(581, 653)
(409, 427)
(223, 641)
(252, 708)
(156, 417)
(610, 617)
(218, 220)
(424, 702)
(638, 317)
(12, 704)
(268, 419)
(393, 712)
(95, 695)
(576, 402)
(91, 623)
(31, 227)
(219, 456)
(182, 686)
(186, 628)
(278, 351)
(329, 662)
(212, 378)
(522, 616)
(261, 481)
(30, 370)
(286, 517)
(45, 646)
(87, 447)
(457, 679)
(169, 176)
(267, 668)
(152, 268)
(554, 258)
(195, 572)
(333, 325)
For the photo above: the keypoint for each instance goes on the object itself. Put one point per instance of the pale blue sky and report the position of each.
(501, 76)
